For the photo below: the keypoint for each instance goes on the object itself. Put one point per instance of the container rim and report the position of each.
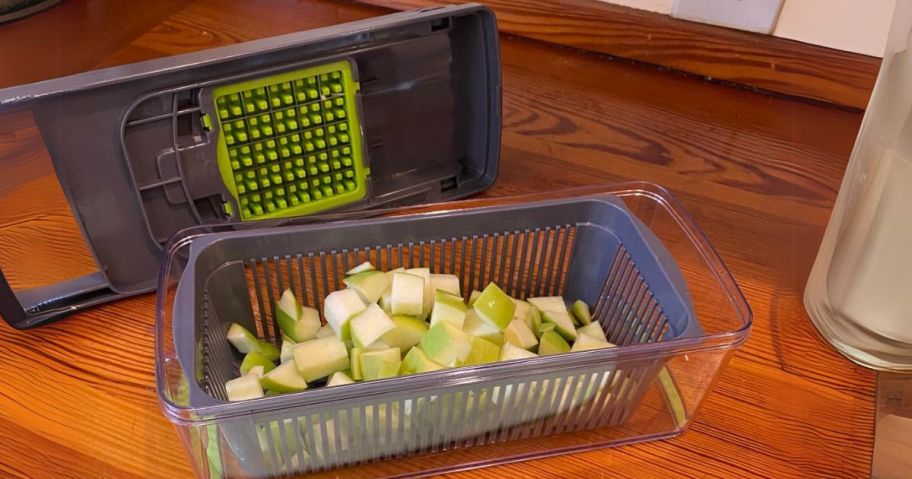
(186, 415)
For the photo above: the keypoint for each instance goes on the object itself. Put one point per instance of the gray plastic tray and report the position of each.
(137, 164)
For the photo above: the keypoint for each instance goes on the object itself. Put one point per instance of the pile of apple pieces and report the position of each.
(404, 321)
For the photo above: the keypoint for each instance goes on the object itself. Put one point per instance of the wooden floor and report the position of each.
(759, 174)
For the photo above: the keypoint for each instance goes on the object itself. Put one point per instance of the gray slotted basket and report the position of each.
(591, 248)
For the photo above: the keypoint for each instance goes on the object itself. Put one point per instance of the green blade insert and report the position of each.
(290, 144)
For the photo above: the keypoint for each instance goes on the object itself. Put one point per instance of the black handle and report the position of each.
(36, 306)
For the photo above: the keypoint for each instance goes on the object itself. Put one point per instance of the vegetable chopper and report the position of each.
(388, 111)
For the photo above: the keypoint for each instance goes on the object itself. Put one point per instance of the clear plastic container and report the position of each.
(658, 290)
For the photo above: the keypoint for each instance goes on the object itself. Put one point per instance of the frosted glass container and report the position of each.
(859, 294)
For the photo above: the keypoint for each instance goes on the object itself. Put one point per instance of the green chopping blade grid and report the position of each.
(290, 144)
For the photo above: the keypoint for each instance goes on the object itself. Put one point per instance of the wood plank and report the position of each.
(758, 61)
(758, 172)
(48, 37)
(37, 225)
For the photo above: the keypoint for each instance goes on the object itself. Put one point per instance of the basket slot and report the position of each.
(539, 410)
(457, 417)
(627, 310)
(588, 386)
(271, 298)
(561, 404)
(218, 362)
(594, 413)
(215, 355)
(525, 401)
(327, 439)
(397, 424)
(280, 280)
(527, 398)
(520, 271)
(460, 416)
(342, 417)
(261, 314)
(314, 283)
(515, 260)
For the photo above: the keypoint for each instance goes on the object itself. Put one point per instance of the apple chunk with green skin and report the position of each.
(378, 344)
(593, 330)
(587, 343)
(473, 297)
(369, 325)
(519, 334)
(245, 342)
(244, 387)
(339, 307)
(549, 303)
(407, 333)
(307, 325)
(269, 350)
(381, 364)
(318, 358)
(286, 353)
(536, 318)
(445, 282)
(416, 361)
(552, 343)
(365, 266)
(562, 321)
(324, 332)
(242, 339)
(339, 378)
(356, 364)
(446, 344)
(524, 313)
(284, 379)
(287, 312)
(428, 296)
(544, 328)
(509, 352)
(495, 307)
(475, 326)
(253, 359)
(448, 307)
(370, 285)
(386, 299)
(296, 321)
(581, 312)
(407, 295)
(483, 352)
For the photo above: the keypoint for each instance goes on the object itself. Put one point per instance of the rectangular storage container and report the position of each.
(658, 290)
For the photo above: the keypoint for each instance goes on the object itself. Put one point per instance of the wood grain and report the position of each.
(37, 228)
(72, 36)
(758, 172)
(758, 61)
